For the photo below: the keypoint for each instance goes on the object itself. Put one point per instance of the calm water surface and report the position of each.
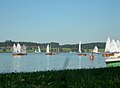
(41, 62)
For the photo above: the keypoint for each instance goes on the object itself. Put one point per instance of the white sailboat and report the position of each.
(113, 54)
(114, 49)
(113, 46)
(48, 50)
(118, 45)
(80, 52)
(107, 47)
(19, 50)
(23, 49)
(38, 51)
(14, 48)
(95, 50)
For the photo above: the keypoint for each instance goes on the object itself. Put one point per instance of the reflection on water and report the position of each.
(41, 62)
(48, 63)
(80, 63)
(66, 63)
(17, 63)
(17, 56)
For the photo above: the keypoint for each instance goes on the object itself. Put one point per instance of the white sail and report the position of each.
(39, 49)
(23, 49)
(95, 50)
(113, 46)
(18, 48)
(107, 47)
(47, 49)
(118, 49)
(80, 47)
(117, 42)
(14, 48)
(118, 45)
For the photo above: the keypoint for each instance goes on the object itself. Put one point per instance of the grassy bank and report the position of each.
(90, 78)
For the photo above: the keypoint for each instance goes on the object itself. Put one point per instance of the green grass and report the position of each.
(66, 49)
(84, 78)
(114, 64)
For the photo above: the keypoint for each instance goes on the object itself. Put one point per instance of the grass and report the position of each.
(84, 78)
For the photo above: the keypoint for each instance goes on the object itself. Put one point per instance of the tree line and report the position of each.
(54, 45)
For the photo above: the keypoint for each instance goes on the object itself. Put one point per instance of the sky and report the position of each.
(62, 21)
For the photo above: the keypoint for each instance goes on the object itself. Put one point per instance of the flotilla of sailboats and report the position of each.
(19, 50)
(112, 51)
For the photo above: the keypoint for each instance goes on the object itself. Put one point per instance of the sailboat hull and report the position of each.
(19, 54)
(50, 54)
(81, 54)
(107, 54)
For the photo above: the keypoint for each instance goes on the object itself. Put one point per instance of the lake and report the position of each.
(41, 62)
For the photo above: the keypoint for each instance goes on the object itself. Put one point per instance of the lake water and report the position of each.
(41, 62)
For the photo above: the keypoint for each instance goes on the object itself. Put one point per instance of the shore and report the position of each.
(83, 78)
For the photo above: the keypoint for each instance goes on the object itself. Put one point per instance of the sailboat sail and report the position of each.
(14, 48)
(47, 49)
(107, 47)
(113, 46)
(80, 47)
(39, 49)
(18, 48)
(118, 45)
(23, 49)
(80, 54)
(95, 50)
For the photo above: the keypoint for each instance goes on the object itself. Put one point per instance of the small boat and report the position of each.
(19, 50)
(18, 54)
(48, 51)
(116, 55)
(50, 54)
(107, 54)
(38, 51)
(112, 49)
(112, 55)
(80, 54)
(95, 50)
